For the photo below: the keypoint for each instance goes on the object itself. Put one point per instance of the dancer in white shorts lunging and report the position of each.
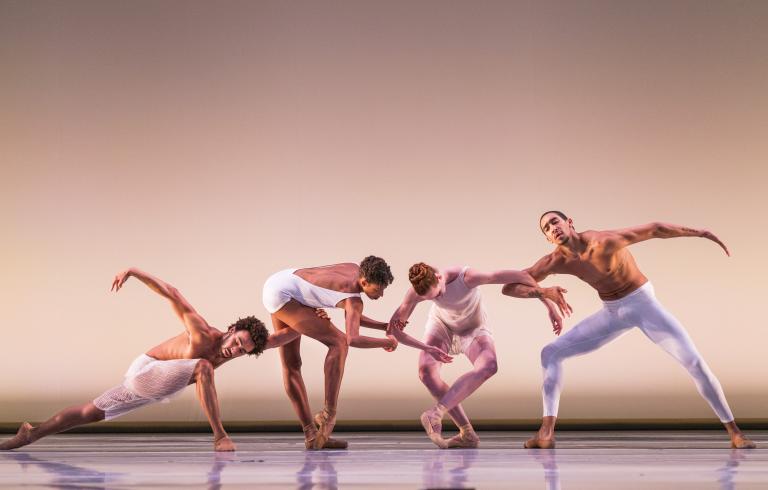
(457, 324)
(602, 259)
(166, 369)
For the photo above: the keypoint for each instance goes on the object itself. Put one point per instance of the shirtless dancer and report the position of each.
(167, 368)
(291, 297)
(457, 324)
(602, 260)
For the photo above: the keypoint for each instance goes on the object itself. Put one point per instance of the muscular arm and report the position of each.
(371, 323)
(529, 288)
(193, 322)
(523, 284)
(628, 236)
(400, 319)
(353, 311)
(281, 337)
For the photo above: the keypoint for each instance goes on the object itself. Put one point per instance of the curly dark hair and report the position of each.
(375, 270)
(259, 333)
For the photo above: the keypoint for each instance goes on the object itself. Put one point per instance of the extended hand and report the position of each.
(393, 344)
(711, 236)
(120, 279)
(322, 314)
(555, 319)
(557, 295)
(439, 354)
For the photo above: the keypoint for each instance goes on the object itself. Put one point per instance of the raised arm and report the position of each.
(193, 322)
(353, 312)
(628, 236)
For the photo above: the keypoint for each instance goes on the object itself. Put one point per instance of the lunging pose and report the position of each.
(291, 296)
(457, 324)
(602, 260)
(189, 357)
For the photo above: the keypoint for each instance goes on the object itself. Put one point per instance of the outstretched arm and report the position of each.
(281, 337)
(400, 319)
(371, 323)
(635, 234)
(353, 311)
(191, 319)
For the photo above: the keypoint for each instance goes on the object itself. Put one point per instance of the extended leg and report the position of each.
(666, 332)
(206, 392)
(66, 419)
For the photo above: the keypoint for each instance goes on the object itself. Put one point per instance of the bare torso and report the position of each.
(204, 345)
(612, 272)
(337, 277)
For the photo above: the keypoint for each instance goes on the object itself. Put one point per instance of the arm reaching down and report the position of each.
(550, 297)
(400, 319)
(353, 311)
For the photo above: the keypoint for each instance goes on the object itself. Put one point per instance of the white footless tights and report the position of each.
(638, 309)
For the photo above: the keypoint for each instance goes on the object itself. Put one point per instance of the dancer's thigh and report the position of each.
(663, 329)
(482, 349)
(589, 334)
(304, 320)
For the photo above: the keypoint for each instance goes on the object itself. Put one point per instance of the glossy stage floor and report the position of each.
(584, 460)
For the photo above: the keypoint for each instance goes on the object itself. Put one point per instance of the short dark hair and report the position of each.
(259, 333)
(559, 213)
(375, 270)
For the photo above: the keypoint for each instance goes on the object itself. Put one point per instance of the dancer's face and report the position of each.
(437, 290)
(372, 290)
(556, 229)
(235, 344)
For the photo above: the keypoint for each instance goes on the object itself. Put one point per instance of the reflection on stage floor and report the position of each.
(583, 460)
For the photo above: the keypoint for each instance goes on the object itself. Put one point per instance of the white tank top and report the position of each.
(459, 308)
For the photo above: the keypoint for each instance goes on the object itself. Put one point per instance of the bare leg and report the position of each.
(290, 355)
(482, 354)
(429, 374)
(305, 321)
(66, 419)
(206, 392)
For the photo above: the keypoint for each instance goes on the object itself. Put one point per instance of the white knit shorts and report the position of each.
(148, 380)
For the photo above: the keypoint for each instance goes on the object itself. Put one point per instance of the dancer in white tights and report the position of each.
(602, 259)
(457, 324)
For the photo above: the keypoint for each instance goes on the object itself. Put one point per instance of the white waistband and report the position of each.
(646, 288)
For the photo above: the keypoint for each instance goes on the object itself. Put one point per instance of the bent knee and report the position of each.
(548, 355)
(489, 369)
(426, 374)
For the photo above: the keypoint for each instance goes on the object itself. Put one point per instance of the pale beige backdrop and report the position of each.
(213, 143)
